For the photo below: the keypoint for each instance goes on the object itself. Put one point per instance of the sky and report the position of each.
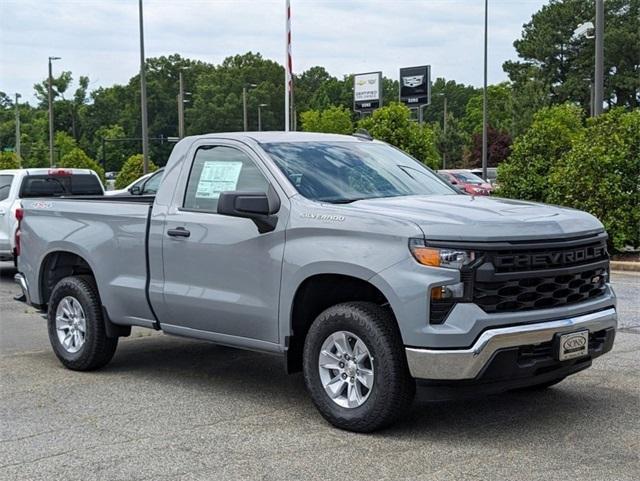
(100, 38)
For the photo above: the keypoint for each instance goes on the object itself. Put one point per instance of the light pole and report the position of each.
(143, 97)
(50, 94)
(18, 126)
(484, 94)
(245, 87)
(260, 116)
(444, 128)
(181, 102)
(598, 84)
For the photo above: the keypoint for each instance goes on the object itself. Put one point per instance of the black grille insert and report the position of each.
(539, 292)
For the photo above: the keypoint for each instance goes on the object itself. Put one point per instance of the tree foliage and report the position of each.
(600, 175)
(525, 175)
(78, 159)
(9, 160)
(498, 148)
(563, 64)
(336, 120)
(132, 169)
(393, 124)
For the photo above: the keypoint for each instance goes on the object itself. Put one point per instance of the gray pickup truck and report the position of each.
(350, 259)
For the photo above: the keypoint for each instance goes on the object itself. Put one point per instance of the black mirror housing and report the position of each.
(260, 207)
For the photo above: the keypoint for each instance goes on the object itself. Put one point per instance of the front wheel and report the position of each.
(355, 368)
(76, 327)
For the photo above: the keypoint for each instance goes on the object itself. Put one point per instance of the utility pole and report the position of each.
(50, 95)
(143, 97)
(598, 87)
(18, 153)
(484, 94)
(181, 106)
(287, 68)
(245, 119)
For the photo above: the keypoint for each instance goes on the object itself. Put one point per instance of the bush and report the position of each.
(393, 124)
(600, 175)
(132, 169)
(9, 160)
(525, 174)
(334, 120)
(77, 159)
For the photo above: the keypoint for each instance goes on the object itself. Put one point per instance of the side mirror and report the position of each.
(260, 207)
(135, 190)
(454, 182)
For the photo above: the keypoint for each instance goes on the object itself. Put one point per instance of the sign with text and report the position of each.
(415, 86)
(367, 91)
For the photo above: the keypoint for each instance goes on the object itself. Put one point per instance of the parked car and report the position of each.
(345, 256)
(468, 182)
(492, 175)
(26, 183)
(145, 185)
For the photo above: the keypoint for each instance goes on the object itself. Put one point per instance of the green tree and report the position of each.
(63, 144)
(335, 120)
(500, 110)
(600, 175)
(116, 150)
(78, 159)
(131, 170)
(457, 95)
(525, 174)
(393, 124)
(563, 64)
(9, 160)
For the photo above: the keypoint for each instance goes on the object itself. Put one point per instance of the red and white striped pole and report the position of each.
(287, 70)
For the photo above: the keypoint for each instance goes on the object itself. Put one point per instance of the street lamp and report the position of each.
(444, 127)
(143, 97)
(260, 116)
(17, 126)
(245, 87)
(49, 90)
(586, 30)
(484, 94)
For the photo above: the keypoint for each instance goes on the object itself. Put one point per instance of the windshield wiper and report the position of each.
(345, 201)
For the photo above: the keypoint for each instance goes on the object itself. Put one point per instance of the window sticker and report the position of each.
(218, 176)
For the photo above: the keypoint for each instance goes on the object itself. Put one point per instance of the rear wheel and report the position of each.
(76, 326)
(355, 368)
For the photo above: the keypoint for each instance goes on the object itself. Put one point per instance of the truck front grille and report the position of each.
(540, 292)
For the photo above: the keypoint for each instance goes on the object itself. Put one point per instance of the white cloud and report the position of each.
(100, 38)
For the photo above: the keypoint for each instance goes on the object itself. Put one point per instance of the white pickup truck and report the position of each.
(20, 184)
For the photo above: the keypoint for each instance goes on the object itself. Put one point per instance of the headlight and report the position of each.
(440, 257)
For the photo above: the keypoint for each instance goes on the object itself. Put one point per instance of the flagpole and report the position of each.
(287, 68)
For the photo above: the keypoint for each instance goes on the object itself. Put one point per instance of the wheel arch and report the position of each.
(316, 293)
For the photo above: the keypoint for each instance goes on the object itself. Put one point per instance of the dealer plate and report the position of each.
(574, 344)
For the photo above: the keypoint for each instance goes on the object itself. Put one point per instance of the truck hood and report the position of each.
(482, 218)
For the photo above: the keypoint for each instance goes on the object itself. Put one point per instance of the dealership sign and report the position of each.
(415, 86)
(367, 91)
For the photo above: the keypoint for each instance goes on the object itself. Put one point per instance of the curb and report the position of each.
(626, 266)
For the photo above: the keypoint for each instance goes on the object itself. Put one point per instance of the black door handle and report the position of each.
(178, 232)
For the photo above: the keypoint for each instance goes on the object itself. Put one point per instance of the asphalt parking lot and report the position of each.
(173, 409)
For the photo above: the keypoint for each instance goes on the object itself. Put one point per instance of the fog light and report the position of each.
(447, 292)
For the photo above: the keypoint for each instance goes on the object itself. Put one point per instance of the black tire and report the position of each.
(98, 349)
(393, 387)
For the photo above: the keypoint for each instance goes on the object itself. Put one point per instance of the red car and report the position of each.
(465, 180)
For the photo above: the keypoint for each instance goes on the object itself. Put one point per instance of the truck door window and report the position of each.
(219, 169)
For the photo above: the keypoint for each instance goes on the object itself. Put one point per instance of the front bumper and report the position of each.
(470, 363)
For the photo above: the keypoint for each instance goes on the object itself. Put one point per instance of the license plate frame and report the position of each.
(572, 345)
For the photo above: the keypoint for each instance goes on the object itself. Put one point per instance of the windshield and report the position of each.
(342, 172)
(468, 178)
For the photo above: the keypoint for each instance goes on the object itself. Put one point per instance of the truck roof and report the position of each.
(278, 136)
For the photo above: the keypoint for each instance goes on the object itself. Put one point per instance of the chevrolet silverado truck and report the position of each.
(345, 256)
